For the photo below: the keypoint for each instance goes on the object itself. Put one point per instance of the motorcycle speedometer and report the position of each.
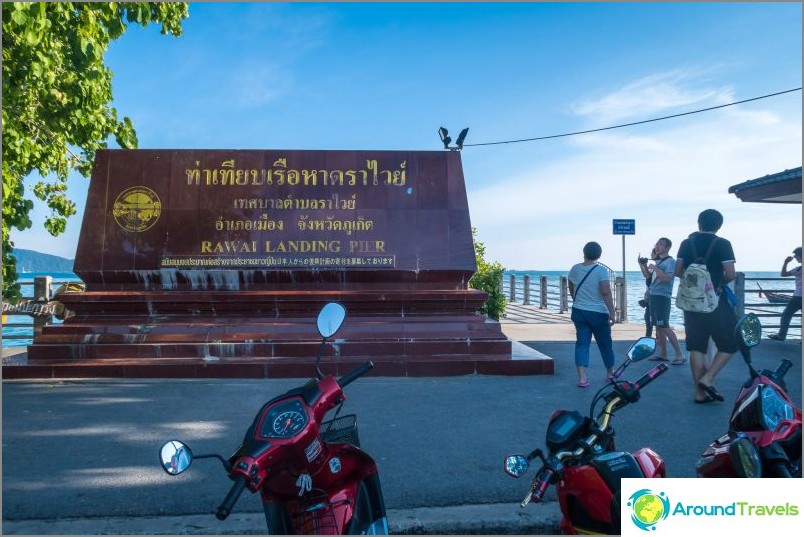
(564, 429)
(284, 420)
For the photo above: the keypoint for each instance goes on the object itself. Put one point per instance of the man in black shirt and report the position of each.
(719, 324)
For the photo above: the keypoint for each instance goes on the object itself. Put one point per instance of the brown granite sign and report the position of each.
(239, 219)
(215, 263)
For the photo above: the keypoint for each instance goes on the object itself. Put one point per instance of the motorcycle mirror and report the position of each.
(745, 457)
(749, 330)
(330, 319)
(515, 465)
(175, 457)
(641, 349)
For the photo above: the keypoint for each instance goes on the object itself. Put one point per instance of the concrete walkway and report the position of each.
(438, 442)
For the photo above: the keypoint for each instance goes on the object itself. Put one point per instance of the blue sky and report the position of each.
(387, 75)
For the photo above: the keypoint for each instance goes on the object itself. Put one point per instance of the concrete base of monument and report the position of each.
(522, 361)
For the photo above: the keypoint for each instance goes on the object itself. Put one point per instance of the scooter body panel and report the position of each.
(589, 495)
(334, 494)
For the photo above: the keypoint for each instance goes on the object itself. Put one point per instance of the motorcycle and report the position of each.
(764, 435)
(312, 475)
(582, 460)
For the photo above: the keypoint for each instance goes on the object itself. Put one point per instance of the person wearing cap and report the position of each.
(795, 301)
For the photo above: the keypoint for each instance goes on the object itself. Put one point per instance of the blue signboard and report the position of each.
(624, 227)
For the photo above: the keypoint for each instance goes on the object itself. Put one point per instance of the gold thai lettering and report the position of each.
(228, 174)
(264, 223)
(329, 223)
(335, 202)
(283, 247)
(229, 247)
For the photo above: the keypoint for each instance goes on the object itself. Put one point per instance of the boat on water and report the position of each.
(774, 297)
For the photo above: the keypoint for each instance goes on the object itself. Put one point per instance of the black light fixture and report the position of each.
(443, 133)
(461, 137)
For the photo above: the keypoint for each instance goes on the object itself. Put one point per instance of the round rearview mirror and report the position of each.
(175, 457)
(515, 465)
(642, 348)
(745, 457)
(749, 330)
(330, 318)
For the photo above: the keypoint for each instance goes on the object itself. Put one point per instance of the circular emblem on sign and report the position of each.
(137, 209)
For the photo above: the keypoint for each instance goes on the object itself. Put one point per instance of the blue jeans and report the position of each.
(587, 324)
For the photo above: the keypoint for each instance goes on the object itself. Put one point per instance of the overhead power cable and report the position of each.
(635, 122)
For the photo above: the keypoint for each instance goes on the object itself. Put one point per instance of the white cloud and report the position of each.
(648, 96)
(661, 174)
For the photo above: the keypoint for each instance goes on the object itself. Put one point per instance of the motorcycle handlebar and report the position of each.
(782, 370)
(650, 376)
(539, 486)
(226, 507)
(355, 373)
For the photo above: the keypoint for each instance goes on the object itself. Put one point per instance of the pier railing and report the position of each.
(552, 293)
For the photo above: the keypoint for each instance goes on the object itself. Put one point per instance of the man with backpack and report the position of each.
(705, 265)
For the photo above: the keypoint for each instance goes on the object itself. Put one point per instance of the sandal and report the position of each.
(679, 361)
(704, 401)
(712, 391)
(583, 383)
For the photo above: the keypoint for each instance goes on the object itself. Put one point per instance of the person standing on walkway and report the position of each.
(660, 292)
(645, 302)
(795, 301)
(718, 255)
(592, 311)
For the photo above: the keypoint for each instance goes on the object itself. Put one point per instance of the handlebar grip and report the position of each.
(650, 376)
(355, 373)
(231, 499)
(782, 369)
(541, 486)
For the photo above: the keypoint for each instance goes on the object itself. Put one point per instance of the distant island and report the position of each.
(31, 261)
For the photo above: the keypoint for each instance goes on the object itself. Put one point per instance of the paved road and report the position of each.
(89, 448)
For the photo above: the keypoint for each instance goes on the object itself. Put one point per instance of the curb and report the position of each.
(484, 519)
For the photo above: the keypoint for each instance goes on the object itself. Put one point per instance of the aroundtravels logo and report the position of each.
(648, 508)
(137, 209)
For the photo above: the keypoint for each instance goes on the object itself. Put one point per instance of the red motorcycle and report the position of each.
(764, 436)
(312, 475)
(582, 460)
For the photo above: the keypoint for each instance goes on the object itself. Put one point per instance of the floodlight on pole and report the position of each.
(443, 133)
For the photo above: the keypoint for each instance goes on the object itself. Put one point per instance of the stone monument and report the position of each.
(214, 263)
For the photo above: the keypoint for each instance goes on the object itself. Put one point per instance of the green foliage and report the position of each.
(488, 278)
(56, 101)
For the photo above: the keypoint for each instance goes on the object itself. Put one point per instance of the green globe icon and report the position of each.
(648, 509)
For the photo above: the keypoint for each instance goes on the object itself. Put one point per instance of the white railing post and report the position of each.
(41, 295)
(527, 290)
(543, 292)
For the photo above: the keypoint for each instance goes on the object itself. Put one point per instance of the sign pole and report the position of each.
(624, 313)
(623, 227)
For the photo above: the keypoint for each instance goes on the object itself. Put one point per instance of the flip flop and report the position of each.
(712, 391)
(659, 359)
(704, 401)
(583, 383)
(679, 361)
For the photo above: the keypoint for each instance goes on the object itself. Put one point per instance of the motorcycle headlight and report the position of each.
(762, 410)
(774, 408)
